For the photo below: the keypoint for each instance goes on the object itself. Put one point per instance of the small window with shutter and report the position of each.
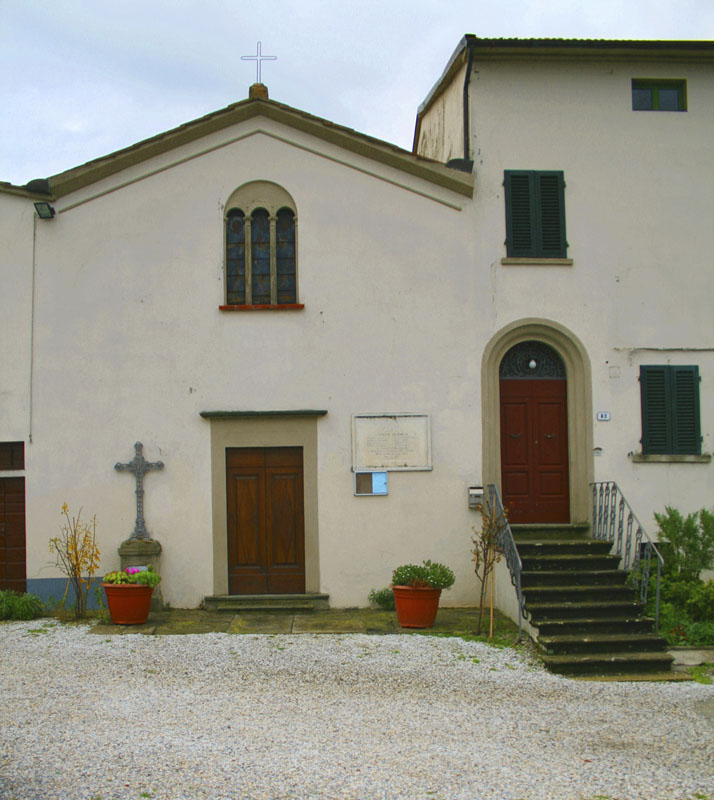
(670, 410)
(535, 214)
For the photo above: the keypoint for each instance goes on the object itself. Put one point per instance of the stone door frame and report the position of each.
(579, 405)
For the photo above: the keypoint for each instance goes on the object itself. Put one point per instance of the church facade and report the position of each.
(327, 340)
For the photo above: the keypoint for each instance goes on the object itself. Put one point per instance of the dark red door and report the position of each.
(266, 529)
(12, 534)
(534, 450)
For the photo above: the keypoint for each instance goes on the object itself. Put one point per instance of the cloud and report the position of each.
(94, 77)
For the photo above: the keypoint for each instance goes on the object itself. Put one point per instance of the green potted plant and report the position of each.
(129, 594)
(417, 589)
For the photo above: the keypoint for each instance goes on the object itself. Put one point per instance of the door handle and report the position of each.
(551, 435)
(515, 435)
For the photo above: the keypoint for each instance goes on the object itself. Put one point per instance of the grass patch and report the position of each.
(460, 622)
(38, 631)
(463, 622)
(704, 673)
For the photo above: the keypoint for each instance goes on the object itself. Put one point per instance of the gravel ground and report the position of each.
(348, 717)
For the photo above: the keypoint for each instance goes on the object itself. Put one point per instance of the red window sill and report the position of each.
(276, 307)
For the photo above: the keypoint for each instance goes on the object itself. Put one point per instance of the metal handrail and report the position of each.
(614, 521)
(507, 545)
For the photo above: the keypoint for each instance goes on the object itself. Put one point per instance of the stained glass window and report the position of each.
(285, 271)
(260, 257)
(235, 257)
(260, 247)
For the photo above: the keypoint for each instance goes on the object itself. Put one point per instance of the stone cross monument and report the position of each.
(139, 466)
(140, 549)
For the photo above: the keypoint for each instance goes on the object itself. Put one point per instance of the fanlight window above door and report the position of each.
(532, 359)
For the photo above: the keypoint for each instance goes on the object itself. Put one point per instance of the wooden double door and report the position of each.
(12, 534)
(534, 450)
(266, 524)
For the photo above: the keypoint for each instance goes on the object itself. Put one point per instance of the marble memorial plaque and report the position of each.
(391, 442)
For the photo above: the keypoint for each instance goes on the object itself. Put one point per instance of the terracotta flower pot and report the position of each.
(416, 605)
(128, 602)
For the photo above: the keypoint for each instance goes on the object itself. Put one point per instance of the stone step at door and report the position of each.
(575, 577)
(589, 620)
(268, 603)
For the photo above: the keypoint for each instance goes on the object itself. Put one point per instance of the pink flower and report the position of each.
(132, 570)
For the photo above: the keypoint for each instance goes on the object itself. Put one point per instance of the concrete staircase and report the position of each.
(589, 621)
(277, 603)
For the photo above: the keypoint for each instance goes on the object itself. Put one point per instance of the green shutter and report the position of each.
(686, 437)
(520, 214)
(551, 214)
(535, 214)
(670, 410)
(656, 434)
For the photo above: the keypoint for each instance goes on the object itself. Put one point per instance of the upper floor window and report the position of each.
(659, 95)
(12, 455)
(535, 214)
(261, 252)
(670, 410)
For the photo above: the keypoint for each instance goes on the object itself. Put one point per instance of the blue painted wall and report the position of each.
(51, 590)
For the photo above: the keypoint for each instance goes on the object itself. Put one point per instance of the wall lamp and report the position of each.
(44, 210)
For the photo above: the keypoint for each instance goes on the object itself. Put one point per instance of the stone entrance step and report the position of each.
(589, 620)
(573, 644)
(545, 531)
(618, 663)
(559, 577)
(268, 603)
(632, 677)
(594, 625)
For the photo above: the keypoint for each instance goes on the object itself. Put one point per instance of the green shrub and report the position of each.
(146, 577)
(382, 598)
(695, 599)
(700, 603)
(677, 591)
(19, 606)
(698, 634)
(687, 543)
(678, 625)
(428, 573)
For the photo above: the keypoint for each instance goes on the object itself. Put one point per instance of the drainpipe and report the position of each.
(32, 324)
(467, 83)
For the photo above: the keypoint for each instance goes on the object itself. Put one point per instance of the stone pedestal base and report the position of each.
(141, 553)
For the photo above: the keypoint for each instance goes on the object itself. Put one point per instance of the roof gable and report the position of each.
(361, 144)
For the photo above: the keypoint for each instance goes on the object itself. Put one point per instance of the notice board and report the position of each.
(391, 441)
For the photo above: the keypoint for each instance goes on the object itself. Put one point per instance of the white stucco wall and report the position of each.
(131, 346)
(16, 222)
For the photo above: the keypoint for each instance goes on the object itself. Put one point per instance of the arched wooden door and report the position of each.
(534, 434)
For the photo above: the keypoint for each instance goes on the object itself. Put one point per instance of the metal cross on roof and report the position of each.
(139, 465)
(258, 57)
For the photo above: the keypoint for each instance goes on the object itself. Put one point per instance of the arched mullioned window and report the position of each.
(261, 247)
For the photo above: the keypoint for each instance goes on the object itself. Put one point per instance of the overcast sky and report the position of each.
(82, 78)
